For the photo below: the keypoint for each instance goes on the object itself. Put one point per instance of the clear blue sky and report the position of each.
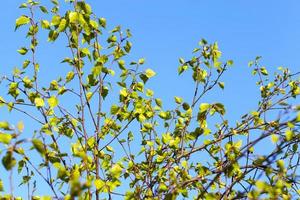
(165, 30)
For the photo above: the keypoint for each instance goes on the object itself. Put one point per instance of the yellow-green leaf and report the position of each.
(38, 145)
(289, 134)
(73, 17)
(99, 184)
(8, 161)
(264, 71)
(184, 164)
(274, 138)
(221, 85)
(2, 102)
(116, 170)
(39, 102)
(109, 148)
(123, 92)
(150, 73)
(1, 186)
(22, 21)
(204, 107)
(53, 102)
(20, 126)
(89, 95)
(178, 100)
(4, 125)
(62, 25)
(23, 51)
(45, 24)
(260, 185)
(141, 61)
(5, 138)
(149, 93)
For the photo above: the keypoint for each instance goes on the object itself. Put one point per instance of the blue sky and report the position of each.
(165, 30)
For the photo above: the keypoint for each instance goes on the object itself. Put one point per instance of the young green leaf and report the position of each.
(5, 138)
(39, 102)
(53, 102)
(149, 73)
(22, 21)
(39, 146)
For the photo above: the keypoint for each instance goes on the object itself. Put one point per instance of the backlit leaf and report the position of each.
(39, 102)
(149, 73)
(22, 21)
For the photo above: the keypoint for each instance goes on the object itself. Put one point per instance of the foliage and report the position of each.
(137, 146)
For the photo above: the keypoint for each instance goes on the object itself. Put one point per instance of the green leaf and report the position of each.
(112, 39)
(230, 62)
(102, 22)
(121, 64)
(99, 184)
(45, 24)
(184, 164)
(55, 20)
(181, 60)
(158, 102)
(149, 93)
(264, 71)
(23, 51)
(114, 109)
(39, 102)
(55, 2)
(160, 159)
(123, 92)
(4, 125)
(8, 161)
(280, 164)
(109, 148)
(204, 107)
(23, 5)
(116, 170)
(46, 198)
(43, 9)
(128, 46)
(162, 187)
(94, 24)
(85, 7)
(182, 68)
(62, 25)
(166, 138)
(70, 76)
(25, 64)
(62, 172)
(221, 85)
(39, 146)
(22, 21)
(149, 73)
(289, 134)
(185, 106)
(274, 138)
(2, 101)
(73, 17)
(5, 138)
(53, 102)
(178, 100)
(52, 36)
(165, 115)
(220, 108)
(141, 61)
(89, 95)
(260, 185)
(1, 186)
